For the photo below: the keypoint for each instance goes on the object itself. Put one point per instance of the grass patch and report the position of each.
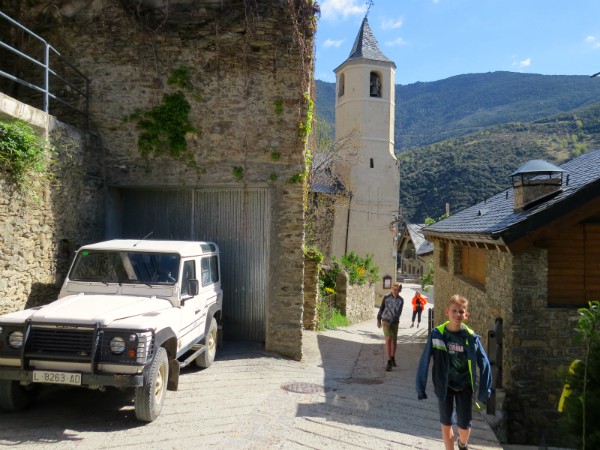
(329, 317)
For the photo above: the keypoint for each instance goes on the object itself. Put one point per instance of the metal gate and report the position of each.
(238, 220)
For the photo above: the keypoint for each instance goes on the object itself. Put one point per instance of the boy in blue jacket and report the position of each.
(457, 352)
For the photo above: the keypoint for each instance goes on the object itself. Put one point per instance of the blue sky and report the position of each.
(431, 40)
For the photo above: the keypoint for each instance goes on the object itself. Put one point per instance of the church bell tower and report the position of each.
(365, 93)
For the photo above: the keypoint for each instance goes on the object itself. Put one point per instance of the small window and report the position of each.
(474, 264)
(443, 254)
(341, 82)
(210, 270)
(375, 85)
(371, 163)
(189, 273)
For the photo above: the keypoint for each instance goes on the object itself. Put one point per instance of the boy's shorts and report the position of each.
(390, 330)
(464, 403)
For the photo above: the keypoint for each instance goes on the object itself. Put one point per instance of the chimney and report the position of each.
(535, 182)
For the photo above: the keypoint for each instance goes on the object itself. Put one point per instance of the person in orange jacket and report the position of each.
(418, 304)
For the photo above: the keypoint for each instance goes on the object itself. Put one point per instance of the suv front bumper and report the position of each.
(97, 379)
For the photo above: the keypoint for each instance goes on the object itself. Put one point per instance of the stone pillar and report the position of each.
(341, 292)
(311, 278)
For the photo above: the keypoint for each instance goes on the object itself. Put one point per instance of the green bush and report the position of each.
(21, 152)
(582, 405)
(360, 271)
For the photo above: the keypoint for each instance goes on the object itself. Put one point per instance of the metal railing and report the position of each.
(430, 320)
(77, 85)
(495, 338)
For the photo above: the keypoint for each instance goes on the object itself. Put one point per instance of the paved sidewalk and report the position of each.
(338, 396)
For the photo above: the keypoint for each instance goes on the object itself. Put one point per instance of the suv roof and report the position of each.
(184, 248)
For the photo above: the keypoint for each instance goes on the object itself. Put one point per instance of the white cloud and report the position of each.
(396, 42)
(523, 64)
(331, 43)
(332, 9)
(593, 41)
(391, 24)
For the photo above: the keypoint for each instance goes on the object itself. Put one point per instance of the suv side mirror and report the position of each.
(193, 287)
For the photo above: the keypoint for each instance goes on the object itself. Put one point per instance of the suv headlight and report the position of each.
(15, 339)
(117, 345)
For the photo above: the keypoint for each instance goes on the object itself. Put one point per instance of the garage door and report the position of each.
(238, 220)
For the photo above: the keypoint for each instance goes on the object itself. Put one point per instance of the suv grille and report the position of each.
(60, 343)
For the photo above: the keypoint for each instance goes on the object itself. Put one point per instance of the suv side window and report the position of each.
(210, 270)
(189, 273)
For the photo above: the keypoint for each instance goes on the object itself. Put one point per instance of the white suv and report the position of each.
(130, 314)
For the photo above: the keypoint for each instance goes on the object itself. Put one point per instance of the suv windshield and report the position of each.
(125, 267)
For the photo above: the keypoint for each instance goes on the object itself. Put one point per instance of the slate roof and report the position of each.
(325, 182)
(495, 217)
(366, 46)
(422, 245)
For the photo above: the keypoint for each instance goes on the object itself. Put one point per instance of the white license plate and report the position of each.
(46, 376)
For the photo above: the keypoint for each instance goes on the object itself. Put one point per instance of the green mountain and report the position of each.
(435, 111)
(468, 169)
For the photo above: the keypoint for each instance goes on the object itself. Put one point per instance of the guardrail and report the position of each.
(74, 85)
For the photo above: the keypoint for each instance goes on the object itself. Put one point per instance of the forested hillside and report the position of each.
(465, 170)
(435, 111)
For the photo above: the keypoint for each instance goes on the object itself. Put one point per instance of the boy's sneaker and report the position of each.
(394, 362)
(461, 446)
(388, 368)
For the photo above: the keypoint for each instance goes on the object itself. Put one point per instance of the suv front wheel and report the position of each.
(150, 397)
(14, 396)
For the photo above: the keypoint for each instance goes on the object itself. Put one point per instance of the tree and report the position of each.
(328, 181)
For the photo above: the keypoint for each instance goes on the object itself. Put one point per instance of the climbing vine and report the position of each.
(304, 21)
(238, 173)
(278, 104)
(305, 131)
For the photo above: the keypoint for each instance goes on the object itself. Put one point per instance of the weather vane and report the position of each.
(370, 3)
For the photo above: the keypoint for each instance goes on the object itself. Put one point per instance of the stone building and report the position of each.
(200, 108)
(365, 99)
(528, 257)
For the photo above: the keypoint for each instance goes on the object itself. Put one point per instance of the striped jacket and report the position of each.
(436, 348)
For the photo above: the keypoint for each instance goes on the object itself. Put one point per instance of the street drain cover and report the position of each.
(304, 388)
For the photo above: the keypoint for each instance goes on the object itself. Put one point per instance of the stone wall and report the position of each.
(41, 227)
(354, 302)
(537, 343)
(540, 347)
(249, 69)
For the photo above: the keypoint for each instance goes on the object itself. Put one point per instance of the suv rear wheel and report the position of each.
(208, 356)
(150, 397)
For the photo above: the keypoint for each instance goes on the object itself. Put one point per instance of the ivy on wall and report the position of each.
(164, 127)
